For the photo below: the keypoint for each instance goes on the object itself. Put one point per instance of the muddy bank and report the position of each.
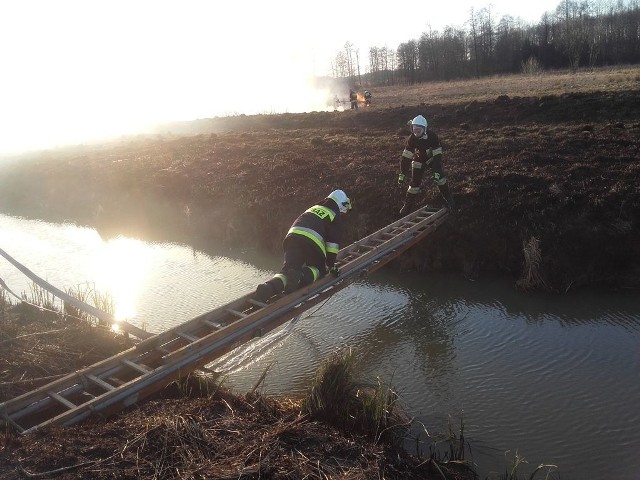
(546, 186)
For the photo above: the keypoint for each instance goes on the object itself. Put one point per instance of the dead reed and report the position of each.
(39, 343)
(339, 397)
(532, 277)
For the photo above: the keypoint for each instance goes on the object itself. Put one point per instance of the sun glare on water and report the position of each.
(122, 269)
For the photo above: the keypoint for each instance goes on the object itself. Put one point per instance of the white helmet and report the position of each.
(419, 126)
(338, 196)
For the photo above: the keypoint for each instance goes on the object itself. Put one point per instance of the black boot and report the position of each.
(266, 290)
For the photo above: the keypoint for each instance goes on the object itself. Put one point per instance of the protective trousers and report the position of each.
(303, 265)
(417, 172)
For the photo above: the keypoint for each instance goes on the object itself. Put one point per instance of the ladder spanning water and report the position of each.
(122, 380)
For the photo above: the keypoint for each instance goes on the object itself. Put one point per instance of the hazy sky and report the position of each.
(72, 70)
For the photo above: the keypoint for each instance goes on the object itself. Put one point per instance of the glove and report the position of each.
(334, 271)
(401, 179)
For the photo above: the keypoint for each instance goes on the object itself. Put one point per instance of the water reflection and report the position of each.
(554, 377)
(123, 267)
(152, 285)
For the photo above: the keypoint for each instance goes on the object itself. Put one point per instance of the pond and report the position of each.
(552, 379)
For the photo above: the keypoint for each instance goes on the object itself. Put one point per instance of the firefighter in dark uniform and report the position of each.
(353, 98)
(310, 247)
(367, 98)
(422, 150)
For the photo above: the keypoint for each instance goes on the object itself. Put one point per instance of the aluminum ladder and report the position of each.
(128, 377)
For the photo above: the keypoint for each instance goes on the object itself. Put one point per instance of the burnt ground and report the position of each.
(557, 174)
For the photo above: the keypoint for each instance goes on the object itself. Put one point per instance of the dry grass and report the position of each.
(525, 85)
(341, 398)
(39, 345)
(532, 278)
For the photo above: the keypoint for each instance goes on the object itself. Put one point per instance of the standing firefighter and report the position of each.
(421, 150)
(367, 98)
(310, 247)
(353, 98)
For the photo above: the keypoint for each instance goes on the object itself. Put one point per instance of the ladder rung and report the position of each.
(257, 303)
(117, 381)
(136, 366)
(100, 382)
(214, 325)
(61, 399)
(236, 313)
(187, 337)
(378, 240)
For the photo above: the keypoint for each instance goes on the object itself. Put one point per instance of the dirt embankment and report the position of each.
(546, 186)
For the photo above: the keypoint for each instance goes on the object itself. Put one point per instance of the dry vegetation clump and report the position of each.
(531, 277)
(338, 397)
(39, 345)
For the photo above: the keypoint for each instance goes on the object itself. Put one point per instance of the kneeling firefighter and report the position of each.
(422, 150)
(310, 247)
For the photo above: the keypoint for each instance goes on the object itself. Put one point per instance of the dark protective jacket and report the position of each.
(422, 149)
(321, 225)
(420, 152)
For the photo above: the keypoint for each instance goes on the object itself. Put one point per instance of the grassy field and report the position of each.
(609, 80)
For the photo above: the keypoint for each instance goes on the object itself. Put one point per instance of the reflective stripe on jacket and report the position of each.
(321, 225)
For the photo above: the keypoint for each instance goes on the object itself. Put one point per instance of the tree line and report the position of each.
(585, 33)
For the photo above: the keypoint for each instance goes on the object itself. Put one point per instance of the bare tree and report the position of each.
(348, 48)
(578, 32)
(339, 66)
(473, 25)
(407, 55)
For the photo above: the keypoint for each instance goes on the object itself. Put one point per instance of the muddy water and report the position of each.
(555, 379)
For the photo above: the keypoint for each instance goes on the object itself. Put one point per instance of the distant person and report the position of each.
(353, 98)
(367, 98)
(310, 247)
(336, 102)
(422, 150)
